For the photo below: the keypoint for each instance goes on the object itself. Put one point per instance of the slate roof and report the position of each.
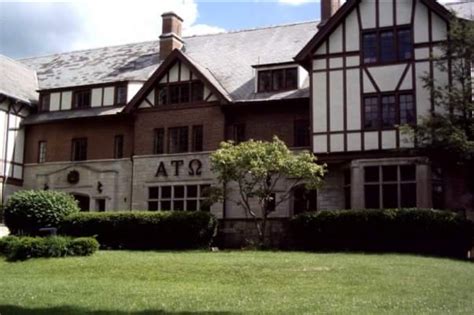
(17, 81)
(227, 57)
(71, 114)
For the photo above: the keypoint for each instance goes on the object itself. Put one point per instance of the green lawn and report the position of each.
(126, 282)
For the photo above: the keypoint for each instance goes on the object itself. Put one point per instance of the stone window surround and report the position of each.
(423, 179)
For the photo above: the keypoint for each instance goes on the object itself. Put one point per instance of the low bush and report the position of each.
(29, 210)
(25, 247)
(421, 231)
(143, 230)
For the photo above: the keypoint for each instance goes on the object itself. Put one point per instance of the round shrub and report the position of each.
(83, 246)
(29, 210)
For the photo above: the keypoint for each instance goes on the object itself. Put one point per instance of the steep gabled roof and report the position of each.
(341, 14)
(201, 73)
(17, 81)
(228, 57)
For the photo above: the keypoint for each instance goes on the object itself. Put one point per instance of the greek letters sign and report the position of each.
(177, 168)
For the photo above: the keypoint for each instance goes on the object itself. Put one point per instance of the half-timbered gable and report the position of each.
(366, 65)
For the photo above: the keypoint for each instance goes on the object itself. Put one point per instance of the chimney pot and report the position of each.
(170, 37)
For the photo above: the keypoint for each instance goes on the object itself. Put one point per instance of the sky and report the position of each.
(39, 28)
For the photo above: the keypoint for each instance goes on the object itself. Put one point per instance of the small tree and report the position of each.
(257, 168)
(448, 132)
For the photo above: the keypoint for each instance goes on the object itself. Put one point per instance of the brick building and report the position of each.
(131, 127)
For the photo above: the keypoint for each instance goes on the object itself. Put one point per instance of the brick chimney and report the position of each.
(328, 8)
(170, 37)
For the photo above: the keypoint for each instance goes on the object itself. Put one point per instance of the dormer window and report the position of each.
(277, 80)
(121, 94)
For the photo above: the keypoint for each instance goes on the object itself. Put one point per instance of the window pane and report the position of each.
(118, 149)
(389, 112)
(264, 81)
(165, 192)
(371, 112)
(405, 45)
(407, 109)
(184, 93)
(178, 191)
(205, 206)
(162, 95)
(197, 91)
(192, 191)
(159, 145)
(371, 174)
(197, 138)
(408, 195)
(121, 95)
(347, 197)
(291, 78)
(153, 205)
(372, 197)
(174, 94)
(153, 193)
(387, 46)
(205, 190)
(390, 196)
(389, 173)
(178, 205)
(178, 139)
(278, 80)
(191, 205)
(238, 133)
(44, 104)
(370, 47)
(408, 172)
(165, 205)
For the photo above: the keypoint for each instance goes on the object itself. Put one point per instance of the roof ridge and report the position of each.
(20, 60)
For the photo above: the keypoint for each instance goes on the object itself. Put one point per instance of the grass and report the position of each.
(124, 282)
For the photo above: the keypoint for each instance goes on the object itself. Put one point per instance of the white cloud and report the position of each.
(118, 22)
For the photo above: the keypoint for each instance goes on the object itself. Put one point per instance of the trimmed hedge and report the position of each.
(144, 229)
(22, 248)
(29, 210)
(423, 231)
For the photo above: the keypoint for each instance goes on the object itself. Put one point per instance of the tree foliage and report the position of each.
(449, 129)
(258, 169)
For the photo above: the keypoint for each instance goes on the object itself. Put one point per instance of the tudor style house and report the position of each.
(132, 126)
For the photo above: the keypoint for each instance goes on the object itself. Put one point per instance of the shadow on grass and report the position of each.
(75, 310)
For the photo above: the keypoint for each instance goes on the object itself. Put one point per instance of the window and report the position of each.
(277, 80)
(304, 200)
(118, 147)
(178, 140)
(81, 99)
(302, 134)
(390, 186)
(42, 147)
(389, 110)
(159, 141)
(197, 145)
(121, 95)
(180, 93)
(238, 133)
(407, 109)
(44, 102)
(79, 149)
(179, 198)
(100, 205)
(387, 45)
(371, 112)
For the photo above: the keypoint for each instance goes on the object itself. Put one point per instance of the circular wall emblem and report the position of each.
(73, 177)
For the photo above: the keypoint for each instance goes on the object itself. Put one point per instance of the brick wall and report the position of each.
(210, 117)
(100, 136)
(262, 122)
